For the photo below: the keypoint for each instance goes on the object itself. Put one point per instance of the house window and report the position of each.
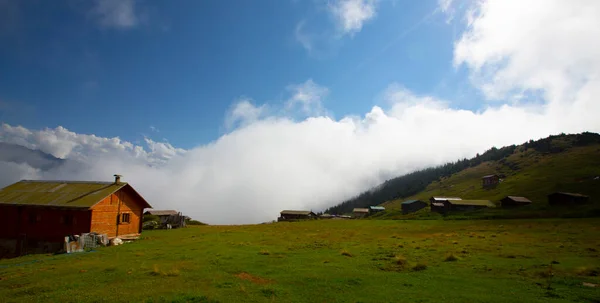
(125, 218)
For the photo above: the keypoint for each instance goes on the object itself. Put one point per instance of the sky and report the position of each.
(233, 111)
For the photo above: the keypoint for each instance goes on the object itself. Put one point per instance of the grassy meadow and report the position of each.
(544, 260)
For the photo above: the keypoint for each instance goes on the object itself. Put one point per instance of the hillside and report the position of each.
(533, 169)
(527, 173)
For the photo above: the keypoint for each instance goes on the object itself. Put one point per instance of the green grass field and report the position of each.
(326, 261)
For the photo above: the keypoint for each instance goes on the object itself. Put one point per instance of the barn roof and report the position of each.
(296, 212)
(445, 198)
(487, 203)
(360, 210)
(162, 212)
(377, 207)
(489, 176)
(78, 194)
(518, 199)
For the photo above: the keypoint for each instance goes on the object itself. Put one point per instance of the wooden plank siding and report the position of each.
(37, 223)
(106, 213)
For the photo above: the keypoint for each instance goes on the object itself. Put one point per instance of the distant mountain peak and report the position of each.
(23, 155)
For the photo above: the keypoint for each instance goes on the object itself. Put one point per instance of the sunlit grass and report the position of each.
(333, 261)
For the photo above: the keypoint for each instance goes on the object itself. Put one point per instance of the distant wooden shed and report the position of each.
(360, 212)
(563, 198)
(169, 217)
(514, 201)
(490, 180)
(293, 215)
(412, 206)
(460, 205)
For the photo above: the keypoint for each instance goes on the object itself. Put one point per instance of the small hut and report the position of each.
(295, 215)
(360, 212)
(412, 206)
(490, 180)
(514, 201)
(460, 205)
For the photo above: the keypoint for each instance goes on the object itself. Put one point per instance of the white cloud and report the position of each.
(243, 112)
(120, 14)
(546, 45)
(351, 15)
(309, 96)
(64, 144)
(154, 129)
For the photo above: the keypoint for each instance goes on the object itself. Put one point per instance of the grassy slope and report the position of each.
(528, 173)
(499, 261)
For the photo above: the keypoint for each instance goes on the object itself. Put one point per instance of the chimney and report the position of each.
(118, 179)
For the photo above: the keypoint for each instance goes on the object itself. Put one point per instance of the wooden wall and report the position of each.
(48, 224)
(105, 214)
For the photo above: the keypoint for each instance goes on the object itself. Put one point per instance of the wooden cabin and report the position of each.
(490, 180)
(294, 215)
(166, 218)
(514, 201)
(38, 215)
(460, 205)
(360, 212)
(562, 198)
(412, 206)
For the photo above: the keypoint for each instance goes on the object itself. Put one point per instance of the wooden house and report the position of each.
(360, 212)
(412, 206)
(445, 206)
(562, 198)
(490, 180)
(293, 215)
(514, 201)
(38, 215)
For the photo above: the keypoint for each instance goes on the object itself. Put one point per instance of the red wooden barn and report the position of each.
(40, 214)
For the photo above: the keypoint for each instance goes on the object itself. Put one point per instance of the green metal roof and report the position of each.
(78, 194)
(487, 203)
(377, 207)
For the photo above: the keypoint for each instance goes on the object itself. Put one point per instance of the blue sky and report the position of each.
(269, 105)
(179, 66)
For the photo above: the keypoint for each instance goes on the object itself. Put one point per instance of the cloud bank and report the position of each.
(538, 76)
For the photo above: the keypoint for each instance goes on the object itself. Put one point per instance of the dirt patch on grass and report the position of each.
(254, 279)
